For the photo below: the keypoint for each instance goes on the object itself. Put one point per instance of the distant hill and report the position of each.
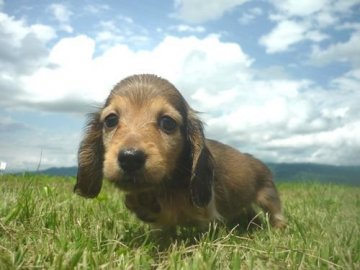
(60, 171)
(282, 172)
(316, 172)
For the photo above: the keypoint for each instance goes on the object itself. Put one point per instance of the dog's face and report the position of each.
(143, 141)
(145, 136)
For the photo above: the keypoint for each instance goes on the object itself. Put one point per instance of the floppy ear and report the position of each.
(90, 159)
(202, 171)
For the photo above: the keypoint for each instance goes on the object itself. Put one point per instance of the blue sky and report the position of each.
(278, 79)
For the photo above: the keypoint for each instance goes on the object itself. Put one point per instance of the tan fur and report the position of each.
(139, 129)
(185, 179)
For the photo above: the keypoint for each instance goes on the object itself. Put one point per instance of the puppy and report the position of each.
(149, 142)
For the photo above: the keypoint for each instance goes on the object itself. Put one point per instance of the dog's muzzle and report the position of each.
(131, 160)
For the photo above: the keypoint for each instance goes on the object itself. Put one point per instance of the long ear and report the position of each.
(90, 159)
(202, 176)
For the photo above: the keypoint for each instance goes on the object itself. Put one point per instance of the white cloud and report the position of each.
(327, 10)
(349, 26)
(22, 47)
(121, 30)
(184, 28)
(62, 15)
(285, 34)
(250, 15)
(299, 21)
(348, 51)
(332, 133)
(96, 8)
(288, 120)
(106, 36)
(299, 8)
(199, 11)
(14, 29)
(43, 32)
(109, 32)
(126, 19)
(344, 6)
(315, 36)
(339, 146)
(325, 19)
(349, 81)
(78, 73)
(255, 105)
(73, 53)
(22, 51)
(71, 62)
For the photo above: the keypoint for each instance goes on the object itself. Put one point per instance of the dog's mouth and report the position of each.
(133, 181)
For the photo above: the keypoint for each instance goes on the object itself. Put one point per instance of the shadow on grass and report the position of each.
(192, 236)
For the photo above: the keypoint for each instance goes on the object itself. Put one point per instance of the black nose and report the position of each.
(131, 159)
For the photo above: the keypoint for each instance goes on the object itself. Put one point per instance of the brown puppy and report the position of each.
(150, 143)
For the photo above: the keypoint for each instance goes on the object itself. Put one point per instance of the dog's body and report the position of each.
(150, 143)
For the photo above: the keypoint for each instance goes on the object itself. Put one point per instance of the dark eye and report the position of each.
(111, 120)
(167, 124)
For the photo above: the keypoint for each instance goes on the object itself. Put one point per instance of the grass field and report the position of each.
(43, 225)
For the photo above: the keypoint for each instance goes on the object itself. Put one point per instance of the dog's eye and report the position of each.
(167, 124)
(111, 120)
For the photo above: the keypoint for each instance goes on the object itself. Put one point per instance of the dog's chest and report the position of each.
(177, 209)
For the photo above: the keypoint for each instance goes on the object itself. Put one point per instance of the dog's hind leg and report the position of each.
(268, 199)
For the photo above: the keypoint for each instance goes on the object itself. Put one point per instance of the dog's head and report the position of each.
(145, 136)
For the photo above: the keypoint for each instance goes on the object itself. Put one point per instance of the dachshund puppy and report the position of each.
(150, 144)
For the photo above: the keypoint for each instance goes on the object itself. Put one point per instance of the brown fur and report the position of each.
(185, 179)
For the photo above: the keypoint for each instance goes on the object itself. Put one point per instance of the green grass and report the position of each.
(43, 225)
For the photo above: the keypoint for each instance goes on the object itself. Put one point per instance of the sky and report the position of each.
(277, 79)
